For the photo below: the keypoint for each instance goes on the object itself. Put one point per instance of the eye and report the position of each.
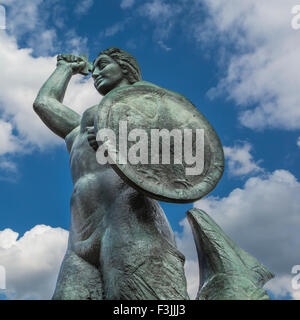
(102, 65)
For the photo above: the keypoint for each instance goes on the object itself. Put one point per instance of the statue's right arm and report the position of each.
(48, 104)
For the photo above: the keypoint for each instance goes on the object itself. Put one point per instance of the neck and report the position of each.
(122, 83)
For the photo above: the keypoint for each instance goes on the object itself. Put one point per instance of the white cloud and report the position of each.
(8, 238)
(21, 78)
(9, 143)
(281, 286)
(33, 261)
(83, 6)
(263, 219)
(23, 72)
(44, 42)
(81, 94)
(24, 18)
(240, 160)
(75, 44)
(157, 10)
(298, 142)
(263, 54)
(186, 245)
(115, 28)
(164, 46)
(19, 90)
(2, 18)
(125, 4)
(296, 295)
(162, 14)
(7, 166)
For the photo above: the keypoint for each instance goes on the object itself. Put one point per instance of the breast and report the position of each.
(88, 118)
(95, 185)
(83, 158)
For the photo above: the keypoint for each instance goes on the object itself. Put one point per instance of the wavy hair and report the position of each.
(125, 61)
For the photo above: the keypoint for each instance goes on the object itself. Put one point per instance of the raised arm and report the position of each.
(48, 105)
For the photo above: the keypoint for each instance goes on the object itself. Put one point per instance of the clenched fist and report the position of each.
(78, 64)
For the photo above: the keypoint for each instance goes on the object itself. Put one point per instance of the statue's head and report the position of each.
(113, 68)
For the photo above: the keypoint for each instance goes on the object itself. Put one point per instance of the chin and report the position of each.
(101, 90)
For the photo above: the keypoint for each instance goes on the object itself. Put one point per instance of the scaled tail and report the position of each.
(226, 271)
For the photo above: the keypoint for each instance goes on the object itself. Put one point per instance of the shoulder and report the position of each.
(171, 92)
(145, 83)
(87, 119)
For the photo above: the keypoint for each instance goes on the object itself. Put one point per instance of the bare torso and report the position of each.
(101, 200)
(120, 243)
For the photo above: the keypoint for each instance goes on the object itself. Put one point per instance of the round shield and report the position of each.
(159, 143)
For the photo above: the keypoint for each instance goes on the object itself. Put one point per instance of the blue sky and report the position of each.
(237, 61)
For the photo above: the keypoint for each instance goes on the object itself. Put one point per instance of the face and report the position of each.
(107, 74)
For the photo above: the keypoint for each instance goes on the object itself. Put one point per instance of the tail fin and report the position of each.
(226, 271)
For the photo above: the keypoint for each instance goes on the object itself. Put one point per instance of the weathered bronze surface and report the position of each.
(149, 107)
(227, 272)
(121, 245)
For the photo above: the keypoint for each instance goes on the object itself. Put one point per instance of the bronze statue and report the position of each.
(120, 243)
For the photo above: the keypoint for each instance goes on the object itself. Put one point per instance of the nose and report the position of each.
(96, 73)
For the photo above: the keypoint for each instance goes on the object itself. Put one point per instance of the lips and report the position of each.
(98, 81)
